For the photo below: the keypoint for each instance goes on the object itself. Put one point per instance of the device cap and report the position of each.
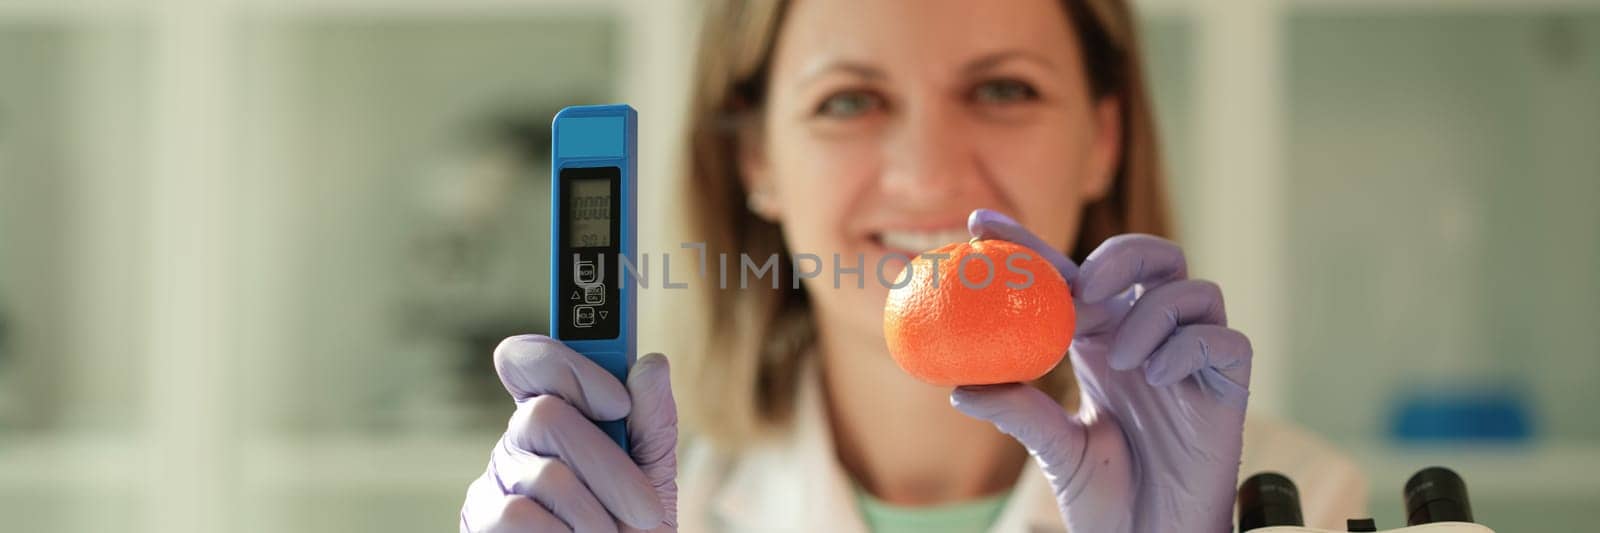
(1268, 499)
(1436, 494)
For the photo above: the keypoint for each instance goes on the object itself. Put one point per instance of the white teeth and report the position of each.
(922, 241)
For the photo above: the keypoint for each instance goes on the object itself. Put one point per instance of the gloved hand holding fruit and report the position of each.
(1156, 442)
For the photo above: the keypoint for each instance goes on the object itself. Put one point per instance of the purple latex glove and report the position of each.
(1156, 442)
(554, 470)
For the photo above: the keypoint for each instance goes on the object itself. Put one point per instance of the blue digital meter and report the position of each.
(593, 200)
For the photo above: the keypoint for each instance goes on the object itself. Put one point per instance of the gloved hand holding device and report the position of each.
(554, 469)
(1155, 445)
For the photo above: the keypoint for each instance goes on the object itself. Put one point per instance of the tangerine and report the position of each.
(962, 320)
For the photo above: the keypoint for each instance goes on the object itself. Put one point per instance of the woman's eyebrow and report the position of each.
(992, 60)
(852, 68)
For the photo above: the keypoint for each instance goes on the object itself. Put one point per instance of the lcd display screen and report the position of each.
(589, 202)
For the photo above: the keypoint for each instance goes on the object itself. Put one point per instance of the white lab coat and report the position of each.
(797, 485)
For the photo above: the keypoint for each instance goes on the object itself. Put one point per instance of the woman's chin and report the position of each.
(858, 310)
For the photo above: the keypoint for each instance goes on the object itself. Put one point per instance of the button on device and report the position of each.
(582, 316)
(587, 273)
(594, 294)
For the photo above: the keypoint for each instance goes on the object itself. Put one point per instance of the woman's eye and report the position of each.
(849, 104)
(1003, 92)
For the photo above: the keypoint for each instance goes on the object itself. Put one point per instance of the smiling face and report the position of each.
(887, 122)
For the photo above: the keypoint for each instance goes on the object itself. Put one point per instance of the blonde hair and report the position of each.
(742, 383)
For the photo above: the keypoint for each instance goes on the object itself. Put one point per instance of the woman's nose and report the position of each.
(930, 160)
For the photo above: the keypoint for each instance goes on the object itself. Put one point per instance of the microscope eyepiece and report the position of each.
(1436, 494)
(1268, 499)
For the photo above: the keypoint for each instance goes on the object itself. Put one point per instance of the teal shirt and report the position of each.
(964, 517)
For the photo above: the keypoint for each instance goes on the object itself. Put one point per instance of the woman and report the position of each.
(891, 127)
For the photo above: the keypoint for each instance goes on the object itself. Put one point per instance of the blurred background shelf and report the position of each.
(1552, 470)
(362, 462)
(60, 463)
(1549, 487)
